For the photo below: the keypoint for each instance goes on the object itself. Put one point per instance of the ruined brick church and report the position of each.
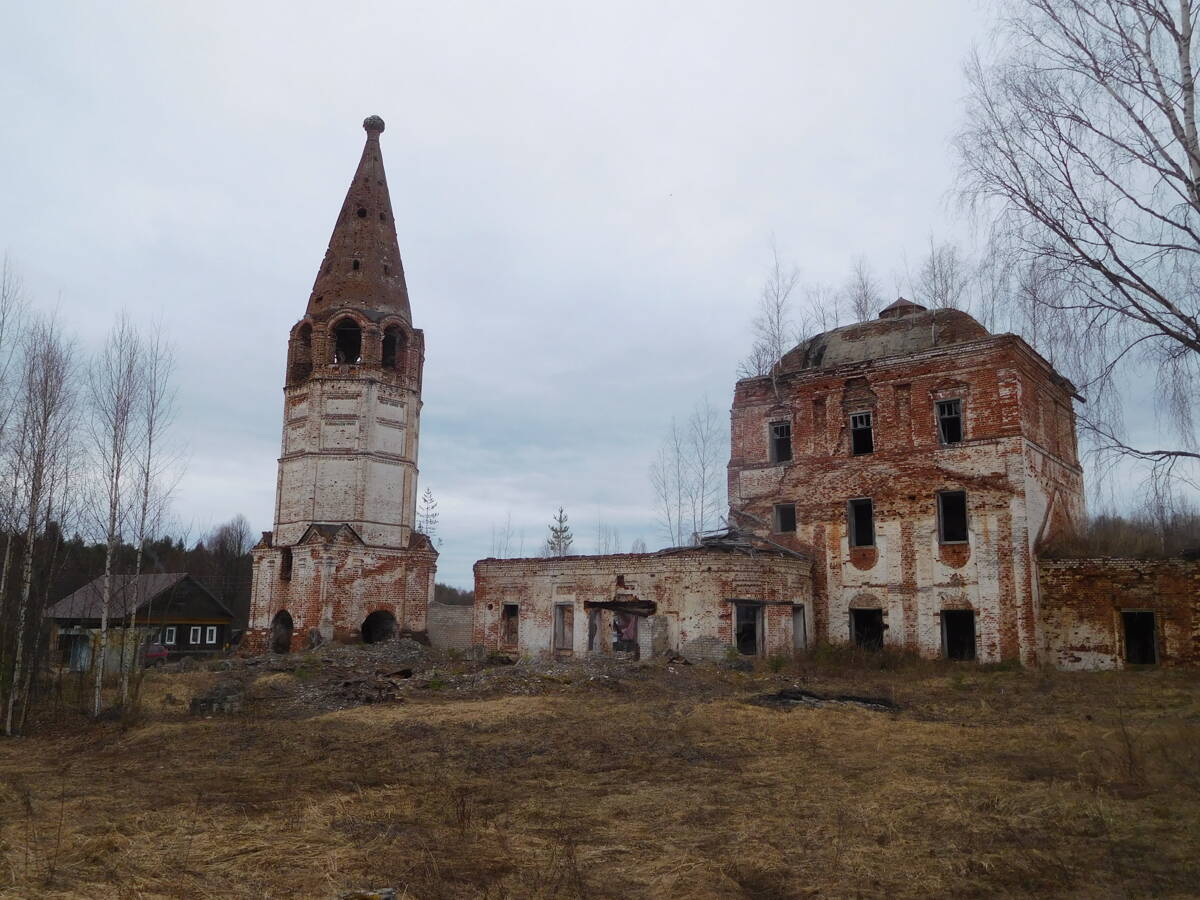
(891, 484)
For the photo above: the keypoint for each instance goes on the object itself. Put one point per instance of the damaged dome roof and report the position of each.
(901, 329)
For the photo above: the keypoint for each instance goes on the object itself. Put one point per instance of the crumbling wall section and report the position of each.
(692, 591)
(1083, 601)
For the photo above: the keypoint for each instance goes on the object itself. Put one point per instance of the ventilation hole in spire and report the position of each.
(319, 299)
(385, 270)
(382, 217)
(362, 213)
(354, 265)
(328, 268)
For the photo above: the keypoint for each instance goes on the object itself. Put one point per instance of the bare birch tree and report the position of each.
(687, 475)
(1081, 144)
(774, 331)
(114, 382)
(944, 279)
(863, 294)
(44, 418)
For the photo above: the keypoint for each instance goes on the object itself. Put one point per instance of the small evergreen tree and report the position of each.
(559, 541)
(427, 515)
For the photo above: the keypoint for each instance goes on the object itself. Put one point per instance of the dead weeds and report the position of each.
(648, 781)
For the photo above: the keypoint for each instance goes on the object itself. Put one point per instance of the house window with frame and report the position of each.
(210, 634)
(168, 635)
(862, 435)
(785, 518)
(861, 515)
(952, 517)
(194, 635)
(781, 442)
(949, 419)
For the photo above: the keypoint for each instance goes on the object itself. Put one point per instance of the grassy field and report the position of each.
(650, 781)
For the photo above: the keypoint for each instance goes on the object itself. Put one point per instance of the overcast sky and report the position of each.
(585, 196)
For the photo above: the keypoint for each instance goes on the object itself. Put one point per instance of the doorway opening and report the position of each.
(281, 632)
(564, 628)
(958, 634)
(379, 626)
(1140, 645)
(799, 629)
(625, 632)
(748, 628)
(866, 628)
(509, 622)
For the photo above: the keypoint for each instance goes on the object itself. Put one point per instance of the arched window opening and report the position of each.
(354, 265)
(379, 626)
(302, 352)
(285, 564)
(347, 342)
(393, 346)
(281, 632)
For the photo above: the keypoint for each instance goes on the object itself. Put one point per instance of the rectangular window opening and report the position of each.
(1141, 647)
(952, 517)
(509, 618)
(862, 437)
(169, 635)
(785, 518)
(958, 634)
(781, 442)
(949, 416)
(194, 635)
(862, 523)
(285, 564)
(210, 634)
(866, 628)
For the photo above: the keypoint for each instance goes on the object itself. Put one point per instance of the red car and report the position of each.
(156, 655)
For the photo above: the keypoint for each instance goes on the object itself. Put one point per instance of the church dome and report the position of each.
(901, 329)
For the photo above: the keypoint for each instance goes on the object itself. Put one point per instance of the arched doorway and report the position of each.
(281, 632)
(378, 626)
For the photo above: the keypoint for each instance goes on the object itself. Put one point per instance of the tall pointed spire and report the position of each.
(362, 267)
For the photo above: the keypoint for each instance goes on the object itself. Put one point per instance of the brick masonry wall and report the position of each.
(450, 625)
(1082, 601)
(1016, 462)
(691, 590)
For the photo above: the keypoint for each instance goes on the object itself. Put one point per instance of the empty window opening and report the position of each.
(378, 627)
(952, 517)
(564, 627)
(285, 564)
(958, 634)
(949, 415)
(385, 270)
(302, 352)
(1140, 645)
(362, 213)
(866, 628)
(862, 437)
(510, 620)
(281, 632)
(862, 522)
(355, 265)
(748, 628)
(382, 217)
(625, 632)
(799, 629)
(347, 340)
(781, 442)
(785, 518)
(393, 343)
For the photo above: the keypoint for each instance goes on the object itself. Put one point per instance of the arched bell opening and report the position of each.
(395, 343)
(347, 342)
(301, 366)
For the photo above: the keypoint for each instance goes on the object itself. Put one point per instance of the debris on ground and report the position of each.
(790, 698)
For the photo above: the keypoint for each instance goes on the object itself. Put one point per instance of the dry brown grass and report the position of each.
(662, 784)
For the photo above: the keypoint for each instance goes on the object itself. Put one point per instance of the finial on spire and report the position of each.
(373, 125)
